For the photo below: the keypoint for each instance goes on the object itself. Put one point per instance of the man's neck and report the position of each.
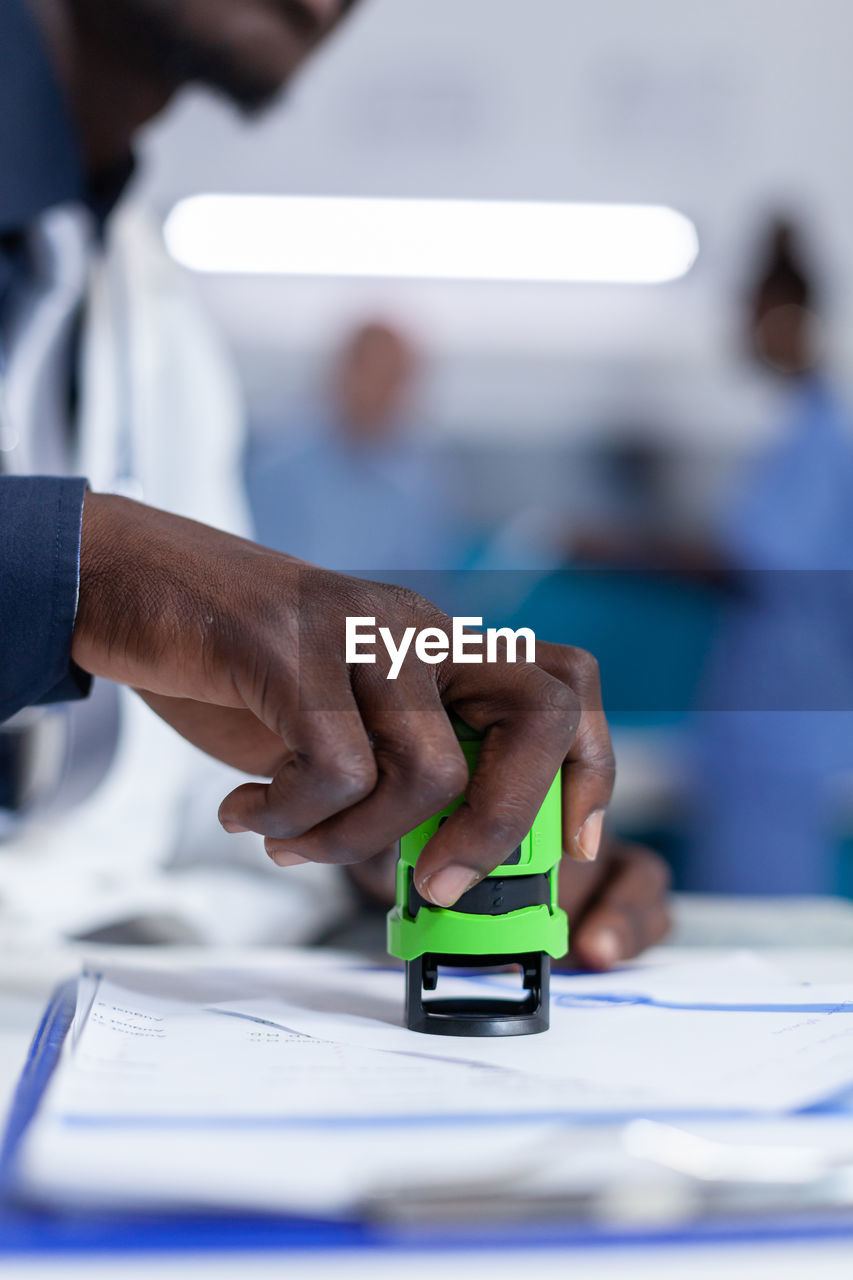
(109, 100)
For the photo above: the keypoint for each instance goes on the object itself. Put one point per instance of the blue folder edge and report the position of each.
(28, 1230)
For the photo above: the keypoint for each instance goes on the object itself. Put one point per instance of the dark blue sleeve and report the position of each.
(40, 521)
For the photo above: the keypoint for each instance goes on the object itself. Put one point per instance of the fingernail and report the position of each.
(589, 837)
(233, 828)
(286, 859)
(608, 948)
(443, 887)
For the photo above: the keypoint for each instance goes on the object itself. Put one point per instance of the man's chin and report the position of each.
(250, 49)
(248, 88)
(245, 49)
(254, 62)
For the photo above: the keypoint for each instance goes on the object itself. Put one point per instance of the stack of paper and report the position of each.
(305, 1092)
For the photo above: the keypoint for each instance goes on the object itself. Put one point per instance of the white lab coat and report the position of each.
(161, 419)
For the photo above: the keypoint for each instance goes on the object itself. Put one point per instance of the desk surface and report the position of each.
(823, 933)
(746, 1262)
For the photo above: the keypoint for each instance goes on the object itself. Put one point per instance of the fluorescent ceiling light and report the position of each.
(431, 239)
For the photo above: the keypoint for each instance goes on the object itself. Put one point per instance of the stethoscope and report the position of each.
(35, 725)
(8, 434)
(125, 479)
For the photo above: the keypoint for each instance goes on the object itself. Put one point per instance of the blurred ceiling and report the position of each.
(725, 111)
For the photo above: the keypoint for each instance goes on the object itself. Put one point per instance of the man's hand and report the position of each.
(617, 907)
(241, 650)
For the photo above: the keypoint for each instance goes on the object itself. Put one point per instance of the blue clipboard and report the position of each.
(28, 1230)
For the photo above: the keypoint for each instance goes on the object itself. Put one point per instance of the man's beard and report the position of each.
(150, 36)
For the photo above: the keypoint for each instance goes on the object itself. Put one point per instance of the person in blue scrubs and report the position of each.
(356, 488)
(777, 731)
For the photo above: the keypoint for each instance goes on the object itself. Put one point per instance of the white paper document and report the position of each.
(304, 1090)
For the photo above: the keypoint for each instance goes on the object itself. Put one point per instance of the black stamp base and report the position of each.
(478, 1017)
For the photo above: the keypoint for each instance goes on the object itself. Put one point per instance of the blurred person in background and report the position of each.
(777, 730)
(110, 372)
(357, 487)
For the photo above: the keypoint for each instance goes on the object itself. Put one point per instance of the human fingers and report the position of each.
(590, 768)
(528, 721)
(626, 913)
(420, 770)
(233, 735)
(327, 762)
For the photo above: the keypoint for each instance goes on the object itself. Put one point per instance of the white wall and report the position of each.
(722, 108)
